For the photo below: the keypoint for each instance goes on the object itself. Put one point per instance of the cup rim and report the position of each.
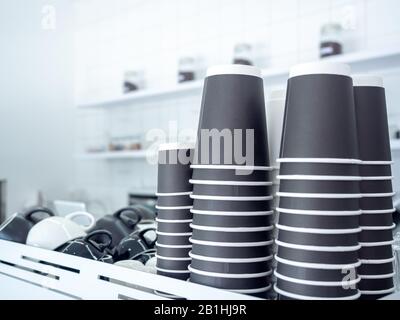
(380, 292)
(379, 178)
(320, 195)
(377, 277)
(378, 228)
(317, 283)
(318, 231)
(379, 211)
(228, 198)
(230, 167)
(320, 68)
(318, 178)
(318, 266)
(378, 195)
(231, 183)
(230, 275)
(230, 260)
(234, 69)
(252, 291)
(176, 146)
(165, 295)
(172, 271)
(377, 261)
(188, 246)
(338, 249)
(174, 194)
(377, 163)
(173, 221)
(187, 234)
(173, 258)
(319, 160)
(232, 244)
(233, 213)
(376, 244)
(301, 297)
(232, 230)
(320, 212)
(174, 208)
(367, 80)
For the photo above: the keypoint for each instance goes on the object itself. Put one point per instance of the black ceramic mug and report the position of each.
(133, 245)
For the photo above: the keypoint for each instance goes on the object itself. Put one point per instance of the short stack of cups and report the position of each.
(232, 227)
(376, 238)
(275, 114)
(173, 210)
(319, 193)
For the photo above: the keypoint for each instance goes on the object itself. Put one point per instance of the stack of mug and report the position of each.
(319, 193)
(173, 208)
(376, 239)
(232, 227)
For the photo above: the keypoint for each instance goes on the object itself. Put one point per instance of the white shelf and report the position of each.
(113, 155)
(364, 60)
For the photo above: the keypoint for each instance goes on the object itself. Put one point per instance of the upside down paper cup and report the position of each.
(232, 190)
(229, 205)
(245, 221)
(319, 204)
(231, 173)
(319, 186)
(313, 168)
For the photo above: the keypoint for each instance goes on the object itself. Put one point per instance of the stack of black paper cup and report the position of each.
(319, 191)
(376, 239)
(232, 227)
(173, 207)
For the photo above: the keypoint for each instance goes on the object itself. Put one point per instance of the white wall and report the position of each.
(36, 100)
(113, 36)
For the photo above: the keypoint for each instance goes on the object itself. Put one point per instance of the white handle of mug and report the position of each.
(73, 215)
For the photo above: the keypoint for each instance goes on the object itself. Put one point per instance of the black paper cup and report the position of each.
(215, 250)
(313, 239)
(175, 214)
(319, 169)
(374, 236)
(232, 221)
(165, 264)
(378, 252)
(380, 186)
(372, 119)
(319, 221)
(216, 174)
(311, 291)
(179, 276)
(173, 252)
(374, 297)
(233, 99)
(177, 227)
(374, 203)
(233, 236)
(231, 206)
(175, 201)
(173, 175)
(234, 191)
(168, 240)
(375, 170)
(319, 204)
(318, 257)
(376, 284)
(310, 274)
(234, 268)
(319, 186)
(376, 269)
(226, 281)
(372, 220)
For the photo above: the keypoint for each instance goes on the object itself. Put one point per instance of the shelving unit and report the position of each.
(114, 155)
(359, 61)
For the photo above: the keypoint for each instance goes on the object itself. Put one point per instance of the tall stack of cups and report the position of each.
(319, 191)
(173, 207)
(232, 227)
(376, 239)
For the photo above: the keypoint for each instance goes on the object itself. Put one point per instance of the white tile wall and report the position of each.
(114, 36)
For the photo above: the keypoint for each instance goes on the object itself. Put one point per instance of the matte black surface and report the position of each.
(232, 252)
(230, 283)
(174, 214)
(319, 169)
(383, 186)
(373, 220)
(376, 284)
(231, 206)
(319, 204)
(376, 269)
(233, 191)
(235, 268)
(319, 222)
(376, 253)
(372, 124)
(173, 240)
(173, 252)
(316, 186)
(376, 235)
(318, 239)
(376, 170)
(231, 221)
(219, 236)
(178, 276)
(174, 201)
(174, 227)
(376, 203)
(234, 102)
(230, 175)
(172, 264)
(320, 118)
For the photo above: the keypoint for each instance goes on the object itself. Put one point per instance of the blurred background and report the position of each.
(83, 82)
